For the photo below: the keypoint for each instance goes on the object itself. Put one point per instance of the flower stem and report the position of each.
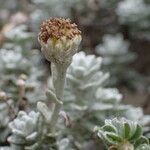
(58, 76)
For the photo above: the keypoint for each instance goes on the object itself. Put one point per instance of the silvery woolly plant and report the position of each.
(58, 46)
(122, 134)
(86, 86)
(116, 59)
(135, 14)
(19, 36)
(5, 116)
(88, 101)
(59, 39)
(16, 59)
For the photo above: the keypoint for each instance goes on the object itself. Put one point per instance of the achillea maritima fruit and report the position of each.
(59, 39)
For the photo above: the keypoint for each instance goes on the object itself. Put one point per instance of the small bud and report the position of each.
(59, 39)
(23, 77)
(3, 95)
(20, 82)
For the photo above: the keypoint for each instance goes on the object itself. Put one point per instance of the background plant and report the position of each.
(117, 58)
(122, 134)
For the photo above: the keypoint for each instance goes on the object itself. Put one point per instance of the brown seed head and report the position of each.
(56, 28)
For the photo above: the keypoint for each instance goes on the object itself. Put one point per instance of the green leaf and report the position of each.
(113, 137)
(109, 128)
(127, 131)
(119, 126)
(133, 127)
(109, 141)
(141, 140)
(137, 134)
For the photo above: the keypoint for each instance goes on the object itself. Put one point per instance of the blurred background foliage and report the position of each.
(116, 30)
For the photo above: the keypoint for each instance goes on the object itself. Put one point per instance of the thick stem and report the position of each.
(58, 76)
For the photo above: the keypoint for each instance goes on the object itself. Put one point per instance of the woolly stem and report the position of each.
(58, 76)
(21, 95)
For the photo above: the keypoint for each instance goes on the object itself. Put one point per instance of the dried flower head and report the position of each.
(59, 39)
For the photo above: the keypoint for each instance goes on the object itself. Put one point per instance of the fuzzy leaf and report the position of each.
(32, 136)
(141, 140)
(51, 96)
(113, 137)
(137, 133)
(109, 128)
(126, 130)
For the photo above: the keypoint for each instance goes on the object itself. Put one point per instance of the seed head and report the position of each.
(59, 39)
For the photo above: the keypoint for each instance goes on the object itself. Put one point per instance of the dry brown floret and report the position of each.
(56, 28)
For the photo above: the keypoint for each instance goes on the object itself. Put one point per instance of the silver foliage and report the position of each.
(116, 58)
(4, 120)
(135, 14)
(24, 128)
(86, 98)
